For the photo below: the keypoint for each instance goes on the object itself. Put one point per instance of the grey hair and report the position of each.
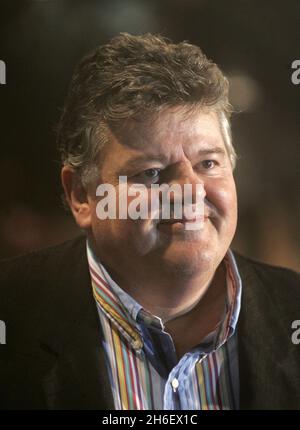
(227, 137)
(133, 77)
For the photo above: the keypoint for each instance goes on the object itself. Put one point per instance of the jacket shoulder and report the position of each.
(19, 263)
(281, 284)
(24, 276)
(266, 270)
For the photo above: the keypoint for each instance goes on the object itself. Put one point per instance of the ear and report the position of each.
(76, 196)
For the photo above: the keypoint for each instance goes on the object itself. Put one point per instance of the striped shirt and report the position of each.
(141, 358)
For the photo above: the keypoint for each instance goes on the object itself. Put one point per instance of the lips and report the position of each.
(184, 220)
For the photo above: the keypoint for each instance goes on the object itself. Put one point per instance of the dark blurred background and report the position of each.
(253, 41)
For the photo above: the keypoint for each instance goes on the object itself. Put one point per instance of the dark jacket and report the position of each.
(53, 357)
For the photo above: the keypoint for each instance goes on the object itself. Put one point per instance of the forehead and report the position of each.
(173, 133)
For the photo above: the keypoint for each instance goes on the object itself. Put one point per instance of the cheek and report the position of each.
(125, 230)
(222, 195)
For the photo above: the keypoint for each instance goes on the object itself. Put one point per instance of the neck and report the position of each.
(166, 296)
(189, 311)
(190, 304)
(171, 299)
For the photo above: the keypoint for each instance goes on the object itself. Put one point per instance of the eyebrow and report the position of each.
(136, 162)
(215, 150)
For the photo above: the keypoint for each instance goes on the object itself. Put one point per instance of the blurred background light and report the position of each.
(246, 94)
(254, 42)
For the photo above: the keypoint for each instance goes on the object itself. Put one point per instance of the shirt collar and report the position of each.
(126, 313)
(228, 324)
(120, 308)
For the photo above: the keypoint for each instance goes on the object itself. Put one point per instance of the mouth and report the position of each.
(182, 224)
(185, 220)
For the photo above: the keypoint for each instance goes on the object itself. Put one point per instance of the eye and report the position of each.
(152, 173)
(148, 175)
(209, 164)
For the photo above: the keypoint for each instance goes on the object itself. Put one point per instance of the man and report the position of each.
(143, 312)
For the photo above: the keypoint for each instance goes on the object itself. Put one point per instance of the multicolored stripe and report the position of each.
(206, 375)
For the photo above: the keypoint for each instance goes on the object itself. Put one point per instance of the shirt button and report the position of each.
(175, 384)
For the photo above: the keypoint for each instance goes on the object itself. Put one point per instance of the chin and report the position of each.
(189, 260)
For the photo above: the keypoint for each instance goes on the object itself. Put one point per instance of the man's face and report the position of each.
(175, 148)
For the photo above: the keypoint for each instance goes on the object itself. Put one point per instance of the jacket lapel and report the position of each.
(266, 362)
(77, 377)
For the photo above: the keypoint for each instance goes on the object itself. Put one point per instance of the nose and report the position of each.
(192, 186)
